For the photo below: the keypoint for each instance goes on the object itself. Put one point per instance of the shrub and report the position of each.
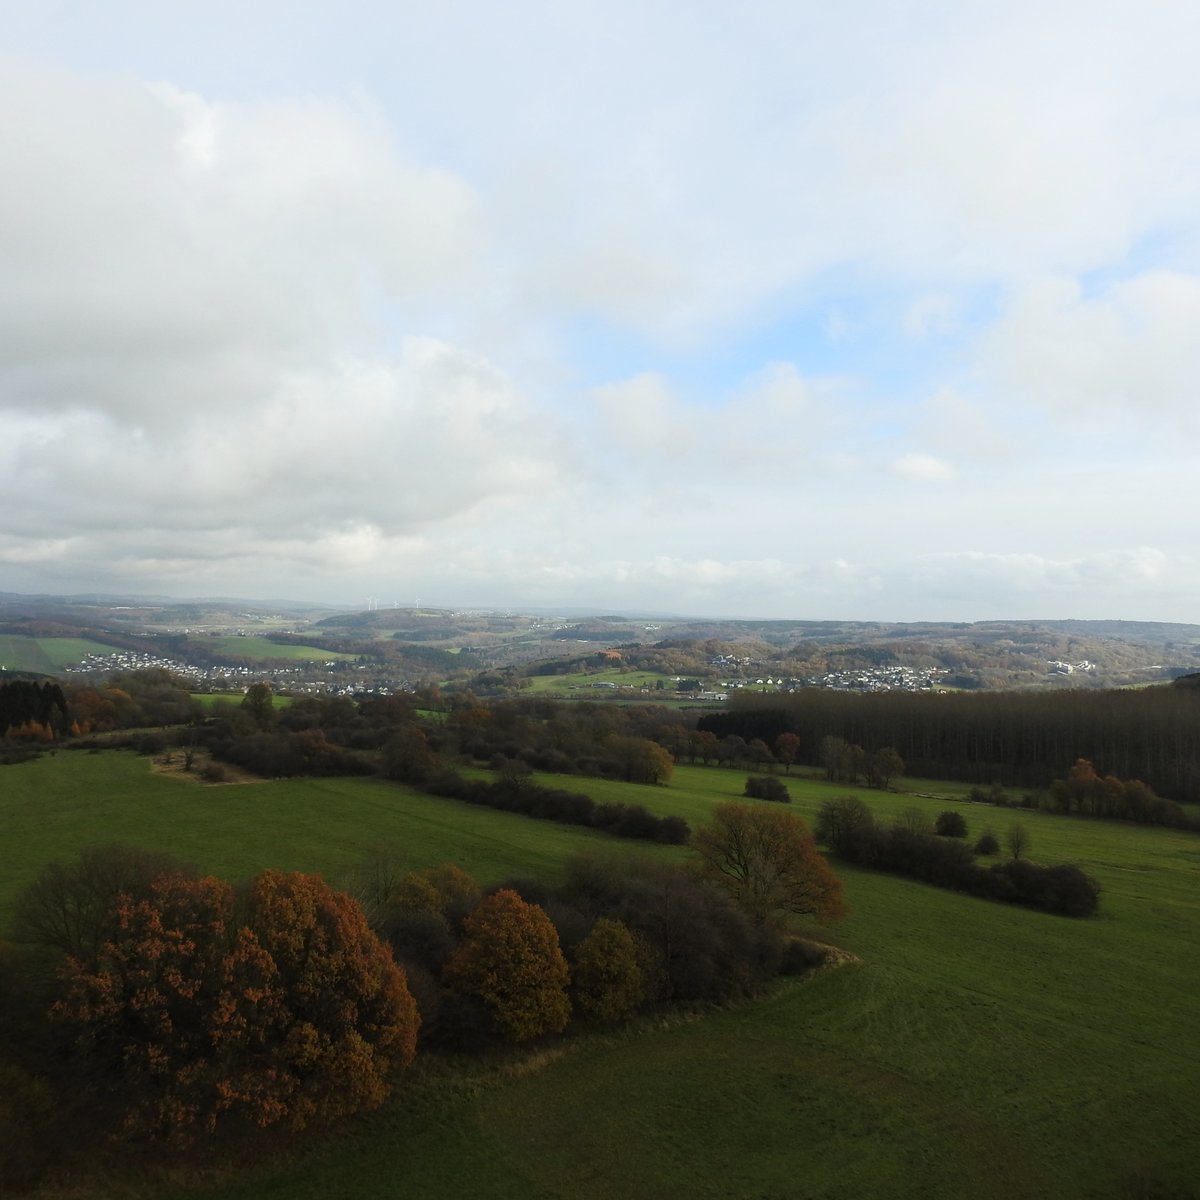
(767, 787)
(987, 844)
(950, 824)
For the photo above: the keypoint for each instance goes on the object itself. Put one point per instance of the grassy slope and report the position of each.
(260, 648)
(46, 654)
(209, 699)
(52, 807)
(560, 684)
(977, 1050)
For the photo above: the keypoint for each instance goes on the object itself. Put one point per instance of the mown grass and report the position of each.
(51, 808)
(976, 1050)
(210, 699)
(555, 684)
(46, 654)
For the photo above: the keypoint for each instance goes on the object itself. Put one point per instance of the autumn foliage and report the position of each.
(510, 959)
(291, 1012)
(767, 860)
(608, 981)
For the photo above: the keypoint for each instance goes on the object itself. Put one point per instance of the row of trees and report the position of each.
(180, 1005)
(1022, 739)
(25, 704)
(909, 847)
(515, 792)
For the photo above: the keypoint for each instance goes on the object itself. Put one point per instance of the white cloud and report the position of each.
(1131, 347)
(924, 468)
(594, 304)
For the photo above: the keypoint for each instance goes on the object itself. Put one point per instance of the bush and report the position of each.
(950, 824)
(801, 956)
(987, 845)
(767, 787)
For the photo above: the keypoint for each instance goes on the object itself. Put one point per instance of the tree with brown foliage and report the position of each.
(607, 979)
(140, 1009)
(767, 860)
(186, 1013)
(511, 960)
(787, 747)
(351, 1020)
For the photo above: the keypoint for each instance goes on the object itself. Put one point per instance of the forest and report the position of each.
(1017, 739)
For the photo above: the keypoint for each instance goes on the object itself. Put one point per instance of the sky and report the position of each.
(877, 310)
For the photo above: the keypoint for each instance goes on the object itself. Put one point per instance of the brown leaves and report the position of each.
(510, 959)
(767, 860)
(297, 1014)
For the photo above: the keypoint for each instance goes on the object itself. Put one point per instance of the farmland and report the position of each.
(975, 1050)
(261, 649)
(45, 655)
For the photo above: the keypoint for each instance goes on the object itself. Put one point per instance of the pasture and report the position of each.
(261, 649)
(586, 681)
(974, 1050)
(213, 699)
(46, 655)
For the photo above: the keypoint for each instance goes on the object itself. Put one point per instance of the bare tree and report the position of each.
(1017, 840)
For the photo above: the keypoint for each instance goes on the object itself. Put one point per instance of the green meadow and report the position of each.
(46, 654)
(561, 684)
(211, 699)
(262, 649)
(972, 1050)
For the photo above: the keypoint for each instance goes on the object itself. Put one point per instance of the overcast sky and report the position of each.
(868, 310)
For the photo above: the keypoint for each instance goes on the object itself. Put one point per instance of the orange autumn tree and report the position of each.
(511, 960)
(351, 1020)
(140, 1009)
(295, 1013)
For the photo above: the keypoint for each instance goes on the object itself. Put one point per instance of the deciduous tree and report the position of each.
(511, 960)
(766, 859)
(607, 982)
(291, 1010)
(1017, 840)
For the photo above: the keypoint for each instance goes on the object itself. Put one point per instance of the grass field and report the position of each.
(976, 1051)
(561, 684)
(209, 699)
(261, 649)
(46, 655)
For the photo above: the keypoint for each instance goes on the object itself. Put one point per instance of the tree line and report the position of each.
(912, 847)
(1020, 739)
(31, 708)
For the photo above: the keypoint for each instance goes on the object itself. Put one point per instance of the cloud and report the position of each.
(924, 468)
(760, 317)
(1131, 347)
(194, 363)
(164, 252)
